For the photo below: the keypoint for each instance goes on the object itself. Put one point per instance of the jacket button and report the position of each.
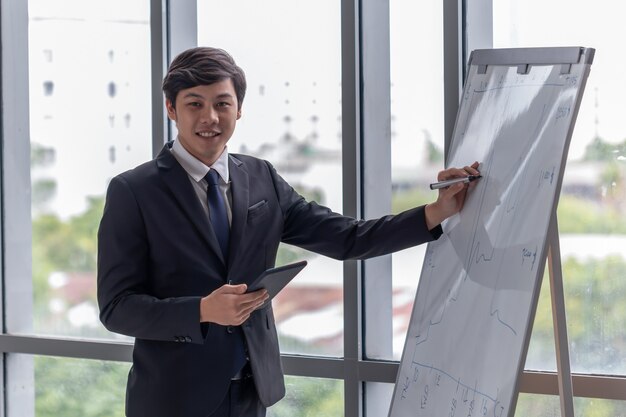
(187, 339)
(176, 339)
(229, 329)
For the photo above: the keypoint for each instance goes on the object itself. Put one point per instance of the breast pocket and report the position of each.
(258, 211)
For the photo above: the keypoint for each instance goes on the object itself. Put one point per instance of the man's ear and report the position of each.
(239, 113)
(171, 110)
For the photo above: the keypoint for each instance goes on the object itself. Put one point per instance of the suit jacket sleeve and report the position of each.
(318, 229)
(123, 277)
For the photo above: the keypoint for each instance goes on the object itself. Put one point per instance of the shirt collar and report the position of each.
(197, 169)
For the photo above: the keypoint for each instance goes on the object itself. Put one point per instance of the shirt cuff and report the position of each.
(436, 232)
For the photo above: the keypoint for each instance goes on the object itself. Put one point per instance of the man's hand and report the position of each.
(229, 305)
(450, 200)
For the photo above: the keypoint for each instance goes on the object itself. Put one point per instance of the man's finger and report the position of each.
(253, 304)
(233, 289)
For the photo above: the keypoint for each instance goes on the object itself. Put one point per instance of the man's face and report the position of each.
(205, 117)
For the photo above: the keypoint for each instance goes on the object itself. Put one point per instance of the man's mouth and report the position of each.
(207, 134)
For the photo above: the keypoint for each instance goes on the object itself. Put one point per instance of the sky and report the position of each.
(575, 23)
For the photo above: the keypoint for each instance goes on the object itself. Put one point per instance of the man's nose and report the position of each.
(209, 115)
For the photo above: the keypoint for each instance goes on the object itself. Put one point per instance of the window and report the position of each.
(91, 388)
(70, 387)
(417, 137)
(89, 110)
(291, 116)
(535, 405)
(76, 149)
(592, 233)
(590, 213)
(309, 397)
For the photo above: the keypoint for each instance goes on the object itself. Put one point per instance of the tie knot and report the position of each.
(213, 178)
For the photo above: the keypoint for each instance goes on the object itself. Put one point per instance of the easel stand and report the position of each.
(564, 374)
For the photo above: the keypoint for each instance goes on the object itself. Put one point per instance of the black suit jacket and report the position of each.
(158, 255)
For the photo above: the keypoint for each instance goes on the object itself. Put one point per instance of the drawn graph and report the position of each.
(479, 281)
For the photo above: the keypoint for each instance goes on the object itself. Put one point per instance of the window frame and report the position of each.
(365, 61)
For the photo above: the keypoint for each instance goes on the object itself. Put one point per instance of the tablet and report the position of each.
(275, 279)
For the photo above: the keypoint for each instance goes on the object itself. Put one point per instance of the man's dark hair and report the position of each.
(203, 66)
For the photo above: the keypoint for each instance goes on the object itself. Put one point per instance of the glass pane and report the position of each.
(68, 387)
(549, 405)
(591, 208)
(378, 397)
(310, 397)
(537, 405)
(89, 67)
(292, 117)
(90, 388)
(541, 351)
(416, 135)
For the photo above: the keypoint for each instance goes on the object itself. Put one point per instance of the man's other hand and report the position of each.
(230, 305)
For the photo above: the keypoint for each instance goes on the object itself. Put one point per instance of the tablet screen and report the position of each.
(275, 279)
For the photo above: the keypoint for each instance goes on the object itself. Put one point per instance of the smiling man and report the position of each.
(205, 116)
(181, 237)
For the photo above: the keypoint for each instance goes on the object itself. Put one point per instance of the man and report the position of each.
(182, 235)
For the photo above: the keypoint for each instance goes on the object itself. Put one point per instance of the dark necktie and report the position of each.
(217, 211)
(219, 220)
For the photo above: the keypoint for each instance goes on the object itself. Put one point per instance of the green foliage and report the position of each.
(577, 215)
(434, 154)
(611, 174)
(541, 352)
(594, 290)
(68, 245)
(86, 388)
(548, 406)
(288, 254)
(407, 199)
(64, 245)
(42, 191)
(310, 193)
(79, 388)
(599, 150)
(309, 397)
(41, 156)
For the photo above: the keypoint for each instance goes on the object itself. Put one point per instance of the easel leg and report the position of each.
(558, 319)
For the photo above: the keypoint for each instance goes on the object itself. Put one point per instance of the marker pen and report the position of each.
(447, 183)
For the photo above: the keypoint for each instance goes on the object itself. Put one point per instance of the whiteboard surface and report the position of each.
(477, 293)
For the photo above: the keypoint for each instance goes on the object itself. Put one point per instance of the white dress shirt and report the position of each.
(197, 170)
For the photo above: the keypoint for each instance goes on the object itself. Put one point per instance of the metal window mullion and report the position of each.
(158, 65)
(351, 168)
(17, 301)
(478, 27)
(174, 28)
(610, 387)
(452, 65)
(376, 175)
(377, 308)
(103, 350)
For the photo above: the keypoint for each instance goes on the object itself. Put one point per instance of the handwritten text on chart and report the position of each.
(465, 401)
(546, 176)
(529, 255)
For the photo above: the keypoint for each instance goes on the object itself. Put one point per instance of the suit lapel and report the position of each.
(177, 180)
(239, 188)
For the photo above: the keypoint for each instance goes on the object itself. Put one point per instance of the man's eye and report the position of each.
(223, 104)
(195, 104)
